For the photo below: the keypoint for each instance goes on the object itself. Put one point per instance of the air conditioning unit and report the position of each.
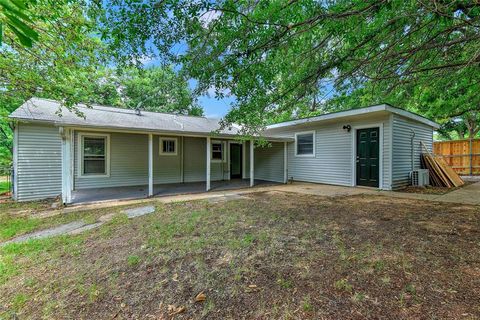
(420, 177)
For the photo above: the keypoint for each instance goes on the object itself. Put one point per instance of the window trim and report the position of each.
(160, 146)
(81, 136)
(313, 154)
(223, 151)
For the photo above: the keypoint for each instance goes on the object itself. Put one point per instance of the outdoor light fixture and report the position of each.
(347, 127)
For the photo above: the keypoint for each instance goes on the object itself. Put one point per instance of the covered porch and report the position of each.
(142, 191)
(107, 165)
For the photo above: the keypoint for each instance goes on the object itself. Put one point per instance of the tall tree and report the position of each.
(61, 65)
(158, 89)
(276, 55)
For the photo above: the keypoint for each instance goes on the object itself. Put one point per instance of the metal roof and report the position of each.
(356, 112)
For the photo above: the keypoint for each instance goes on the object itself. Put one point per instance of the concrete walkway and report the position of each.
(467, 195)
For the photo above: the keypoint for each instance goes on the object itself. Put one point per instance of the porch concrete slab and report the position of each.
(103, 194)
(84, 196)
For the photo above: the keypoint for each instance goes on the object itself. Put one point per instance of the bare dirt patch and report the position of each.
(266, 256)
(434, 190)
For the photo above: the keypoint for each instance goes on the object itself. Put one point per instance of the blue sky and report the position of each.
(215, 108)
(212, 107)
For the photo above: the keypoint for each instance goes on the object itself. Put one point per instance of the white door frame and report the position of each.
(378, 125)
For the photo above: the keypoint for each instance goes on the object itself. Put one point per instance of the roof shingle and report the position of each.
(45, 110)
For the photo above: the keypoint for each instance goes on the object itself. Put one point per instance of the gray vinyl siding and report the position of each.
(269, 162)
(128, 162)
(39, 167)
(334, 148)
(402, 159)
(195, 162)
(195, 159)
(166, 168)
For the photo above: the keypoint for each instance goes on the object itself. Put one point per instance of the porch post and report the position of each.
(244, 154)
(66, 165)
(285, 162)
(182, 161)
(209, 146)
(150, 165)
(15, 163)
(252, 159)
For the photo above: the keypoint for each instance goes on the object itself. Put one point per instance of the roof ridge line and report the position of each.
(85, 105)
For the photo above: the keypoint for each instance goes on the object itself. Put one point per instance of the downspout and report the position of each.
(412, 148)
(412, 154)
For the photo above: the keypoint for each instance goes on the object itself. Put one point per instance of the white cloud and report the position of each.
(144, 59)
(209, 16)
(212, 91)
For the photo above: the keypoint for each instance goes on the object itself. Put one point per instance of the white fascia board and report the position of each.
(413, 116)
(356, 112)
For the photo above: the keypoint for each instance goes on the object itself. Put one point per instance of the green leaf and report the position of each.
(20, 4)
(27, 30)
(13, 10)
(26, 41)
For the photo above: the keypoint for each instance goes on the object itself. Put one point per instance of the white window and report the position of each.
(218, 150)
(94, 152)
(305, 144)
(168, 146)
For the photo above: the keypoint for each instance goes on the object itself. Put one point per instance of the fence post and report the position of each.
(471, 157)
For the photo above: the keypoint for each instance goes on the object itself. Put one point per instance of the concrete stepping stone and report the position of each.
(140, 211)
(77, 227)
(56, 231)
(85, 228)
(227, 197)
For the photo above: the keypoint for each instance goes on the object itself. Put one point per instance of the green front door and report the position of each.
(368, 142)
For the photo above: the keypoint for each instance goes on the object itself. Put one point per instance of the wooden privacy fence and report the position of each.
(462, 155)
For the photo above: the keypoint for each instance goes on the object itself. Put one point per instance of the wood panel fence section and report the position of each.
(462, 155)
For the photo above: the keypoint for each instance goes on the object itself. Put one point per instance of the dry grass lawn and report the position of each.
(266, 256)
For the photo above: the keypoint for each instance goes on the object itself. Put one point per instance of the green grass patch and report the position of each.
(32, 250)
(4, 187)
(13, 226)
(133, 260)
(19, 301)
(285, 283)
(343, 285)
(307, 304)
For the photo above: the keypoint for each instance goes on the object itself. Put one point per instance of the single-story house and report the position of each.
(64, 154)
